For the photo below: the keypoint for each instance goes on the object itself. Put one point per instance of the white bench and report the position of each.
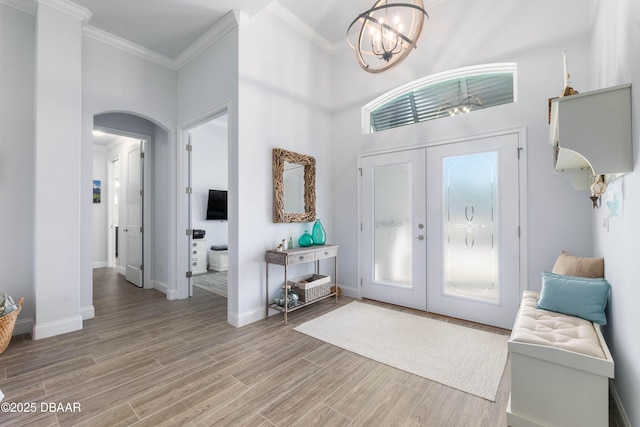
(560, 369)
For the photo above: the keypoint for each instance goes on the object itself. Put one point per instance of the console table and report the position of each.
(294, 256)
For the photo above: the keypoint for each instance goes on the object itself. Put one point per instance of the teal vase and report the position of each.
(317, 234)
(306, 239)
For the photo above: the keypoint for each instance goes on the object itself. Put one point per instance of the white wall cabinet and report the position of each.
(198, 256)
(591, 135)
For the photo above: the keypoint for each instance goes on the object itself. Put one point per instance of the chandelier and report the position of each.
(384, 35)
(459, 104)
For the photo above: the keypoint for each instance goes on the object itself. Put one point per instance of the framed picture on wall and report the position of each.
(96, 191)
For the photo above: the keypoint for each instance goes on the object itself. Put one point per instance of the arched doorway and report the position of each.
(134, 152)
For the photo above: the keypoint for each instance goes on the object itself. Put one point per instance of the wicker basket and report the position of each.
(6, 326)
(312, 287)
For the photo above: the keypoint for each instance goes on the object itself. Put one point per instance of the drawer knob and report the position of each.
(301, 257)
(326, 252)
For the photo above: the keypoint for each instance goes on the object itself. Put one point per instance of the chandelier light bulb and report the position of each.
(386, 43)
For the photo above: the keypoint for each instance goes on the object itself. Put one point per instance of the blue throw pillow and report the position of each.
(576, 296)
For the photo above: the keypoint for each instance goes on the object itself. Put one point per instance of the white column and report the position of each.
(57, 163)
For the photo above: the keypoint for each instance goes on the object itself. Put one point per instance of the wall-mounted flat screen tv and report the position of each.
(217, 204)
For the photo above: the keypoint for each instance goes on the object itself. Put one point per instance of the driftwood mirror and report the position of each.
(294, 187)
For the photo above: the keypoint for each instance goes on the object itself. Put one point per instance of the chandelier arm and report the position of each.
(366, 16)
(359, 56)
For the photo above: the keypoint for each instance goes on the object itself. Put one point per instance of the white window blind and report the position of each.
(437, 96)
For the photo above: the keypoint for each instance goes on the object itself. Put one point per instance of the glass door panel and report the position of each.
(392, 219)
(470, 222)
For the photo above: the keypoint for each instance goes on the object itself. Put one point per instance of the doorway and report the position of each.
(121, 241)
(440, 228)
(208, 177)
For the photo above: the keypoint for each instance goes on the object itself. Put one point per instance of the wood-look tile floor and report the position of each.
(147, 361)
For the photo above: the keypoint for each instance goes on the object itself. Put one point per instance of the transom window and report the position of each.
(440, 95)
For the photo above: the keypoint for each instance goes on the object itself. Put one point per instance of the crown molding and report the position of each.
(127, 46)
(227, 23)
(69, 8)
(215, 33)
(27, 6)
(301, 26)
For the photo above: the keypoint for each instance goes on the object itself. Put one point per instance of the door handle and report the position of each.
(125, 230)
(420, 237)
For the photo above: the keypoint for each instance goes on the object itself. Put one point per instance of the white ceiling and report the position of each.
(168, 27)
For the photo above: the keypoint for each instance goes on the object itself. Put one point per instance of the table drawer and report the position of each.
(301, 257)
(326, 253)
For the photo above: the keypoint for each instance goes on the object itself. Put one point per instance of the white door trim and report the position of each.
(146, 199)
(183, 170)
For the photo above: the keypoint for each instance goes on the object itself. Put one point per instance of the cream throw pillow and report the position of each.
(570, 265)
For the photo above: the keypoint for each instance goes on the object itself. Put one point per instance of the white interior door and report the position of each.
(132, 230)
(473, 230)
(393, 264)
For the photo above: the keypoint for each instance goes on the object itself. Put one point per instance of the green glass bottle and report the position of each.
(317, 233)
(306, 239)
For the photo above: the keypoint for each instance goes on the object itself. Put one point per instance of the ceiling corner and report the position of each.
(28, 6)
(301, 26)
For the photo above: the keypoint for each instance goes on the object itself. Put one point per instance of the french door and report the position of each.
(393, 224)
(440, 229)
(473, 225)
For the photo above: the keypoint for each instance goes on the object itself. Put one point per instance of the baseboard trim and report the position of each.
(58, 327)
(242, 319)
(349, 292)
(621, 414)
(171, 294)
(23, 326)
(100, 264)
(88, 312)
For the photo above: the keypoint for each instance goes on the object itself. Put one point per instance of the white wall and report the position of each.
(57, 264)
(459, 34)
(17, 160)
(114, 81)
(207, 86)
(163, 208)
(271, 103)
(284, 101)
(615, 61)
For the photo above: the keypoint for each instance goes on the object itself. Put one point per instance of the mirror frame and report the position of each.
(281, 156)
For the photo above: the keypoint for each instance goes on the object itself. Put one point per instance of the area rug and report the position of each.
(215, 282)
(463, 358)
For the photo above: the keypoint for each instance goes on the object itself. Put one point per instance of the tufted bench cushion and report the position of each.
(548, 328)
